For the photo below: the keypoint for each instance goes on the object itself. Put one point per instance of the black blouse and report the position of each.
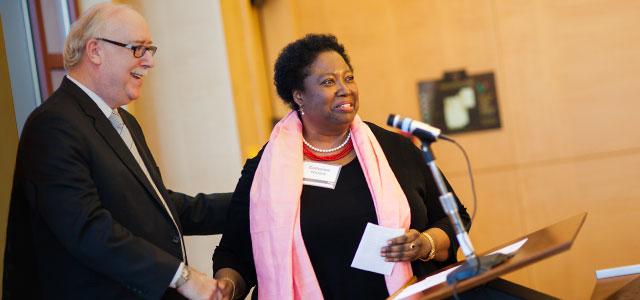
(332, 235)
(333, 222)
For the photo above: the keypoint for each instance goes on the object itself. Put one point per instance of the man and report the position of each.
(90, 217)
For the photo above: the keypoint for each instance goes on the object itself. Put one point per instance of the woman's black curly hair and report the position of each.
(292, 65)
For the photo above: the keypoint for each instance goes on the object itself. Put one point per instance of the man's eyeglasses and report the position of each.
(138, 50)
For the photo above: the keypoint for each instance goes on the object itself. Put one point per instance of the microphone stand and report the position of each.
(473, 265)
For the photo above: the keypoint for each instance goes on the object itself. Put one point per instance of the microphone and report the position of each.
(423, 131)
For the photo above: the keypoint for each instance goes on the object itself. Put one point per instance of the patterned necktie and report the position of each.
(118, 124)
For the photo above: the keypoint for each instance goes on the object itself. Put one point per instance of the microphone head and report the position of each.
(392, 120)
(419, 129)
(399, 122)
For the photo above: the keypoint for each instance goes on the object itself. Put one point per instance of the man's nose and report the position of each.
(147, 60)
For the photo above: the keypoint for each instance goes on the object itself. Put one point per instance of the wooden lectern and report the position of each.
(541, 244)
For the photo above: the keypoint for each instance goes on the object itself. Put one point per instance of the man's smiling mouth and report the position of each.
(138, 73)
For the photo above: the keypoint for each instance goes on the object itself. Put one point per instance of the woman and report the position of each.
(295, 238)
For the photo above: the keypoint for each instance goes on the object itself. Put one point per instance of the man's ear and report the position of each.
(297, 97)
(93, 52)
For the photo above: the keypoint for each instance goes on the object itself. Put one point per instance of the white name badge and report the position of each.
(320, 174)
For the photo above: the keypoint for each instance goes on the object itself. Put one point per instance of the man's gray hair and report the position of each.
(90, 25)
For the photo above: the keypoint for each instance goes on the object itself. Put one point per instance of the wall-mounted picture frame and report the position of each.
(460, 103)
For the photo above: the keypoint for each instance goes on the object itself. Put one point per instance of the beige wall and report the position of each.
(186, 108)
(248, 74)
(8, 144)
(567, 75)
(84, 4)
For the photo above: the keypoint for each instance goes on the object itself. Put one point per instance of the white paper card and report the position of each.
(320, 174)
(619, 271)
(511, 248)
(424, 284)
(441, 277)
(368, 254)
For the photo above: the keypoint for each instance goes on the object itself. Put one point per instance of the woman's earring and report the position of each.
(301, 110)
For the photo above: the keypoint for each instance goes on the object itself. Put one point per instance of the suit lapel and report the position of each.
(105, 129)
(145, 155)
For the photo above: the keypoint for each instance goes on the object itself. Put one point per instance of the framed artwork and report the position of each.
(460, 103)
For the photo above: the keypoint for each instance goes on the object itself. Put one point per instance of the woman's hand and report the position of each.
(408, 247)
(230, 284)
(226, 289)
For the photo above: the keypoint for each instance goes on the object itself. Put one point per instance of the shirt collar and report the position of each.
(101, 104)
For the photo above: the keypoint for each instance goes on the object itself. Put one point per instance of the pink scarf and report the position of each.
(283, 266)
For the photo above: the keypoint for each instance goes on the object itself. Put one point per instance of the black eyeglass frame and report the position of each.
(134, 48)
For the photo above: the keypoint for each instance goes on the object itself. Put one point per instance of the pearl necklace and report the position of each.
(328, 150)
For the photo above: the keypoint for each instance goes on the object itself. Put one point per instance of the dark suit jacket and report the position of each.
(84, 221)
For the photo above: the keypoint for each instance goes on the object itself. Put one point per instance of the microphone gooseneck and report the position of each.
(428, 134)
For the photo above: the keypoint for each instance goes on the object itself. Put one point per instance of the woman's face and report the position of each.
(330, 95)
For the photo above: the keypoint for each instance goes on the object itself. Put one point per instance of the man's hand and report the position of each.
(199, 286)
